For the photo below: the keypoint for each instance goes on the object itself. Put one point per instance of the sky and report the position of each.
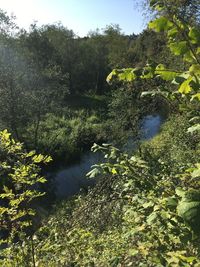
(81, 16)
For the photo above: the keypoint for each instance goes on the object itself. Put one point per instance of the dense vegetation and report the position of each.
(144, 209)
(54, 94)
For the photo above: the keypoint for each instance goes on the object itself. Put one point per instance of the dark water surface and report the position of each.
(68, 180)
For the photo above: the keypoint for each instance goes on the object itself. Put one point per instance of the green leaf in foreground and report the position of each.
(194, 35)
(165, 74)
(160, 24)
(185, 87)
(179, 48)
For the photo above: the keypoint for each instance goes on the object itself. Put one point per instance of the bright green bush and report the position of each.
(20, 180)
(65, 137)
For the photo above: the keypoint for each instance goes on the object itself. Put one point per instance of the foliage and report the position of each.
(124, 123)
(173, 146)
(19, 187)
(144, 209)
(182, 40)
(134, 216)
(186, 10)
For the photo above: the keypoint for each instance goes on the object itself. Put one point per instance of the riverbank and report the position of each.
(69, 179)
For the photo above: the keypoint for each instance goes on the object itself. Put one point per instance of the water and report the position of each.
(69, 180)
(151, 126)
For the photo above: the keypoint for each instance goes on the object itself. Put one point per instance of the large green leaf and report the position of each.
(189, 57)
(113, 74)
(164, 73)
(185, 87)
(194, 35)
(160, 24)
(148, 72)
(127, 75)
(195, 70)
(179, 48)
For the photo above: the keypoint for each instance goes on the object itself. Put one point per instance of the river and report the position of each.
(69, 179)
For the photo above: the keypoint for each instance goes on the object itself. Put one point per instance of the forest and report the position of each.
(61, 96)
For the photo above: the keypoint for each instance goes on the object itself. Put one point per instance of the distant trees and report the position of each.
(83, 63)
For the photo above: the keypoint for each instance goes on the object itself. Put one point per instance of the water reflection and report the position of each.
(68, 181)
(150, 126)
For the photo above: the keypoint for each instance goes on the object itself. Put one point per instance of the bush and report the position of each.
(173, 145)
(66, 137)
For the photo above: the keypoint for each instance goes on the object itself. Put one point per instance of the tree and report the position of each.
(8, 26)
(46, 50)
(187, 10)
(117, 44)
(100, 60)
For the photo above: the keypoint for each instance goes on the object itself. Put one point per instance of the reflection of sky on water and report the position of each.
(150, 126)
(69, 180)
